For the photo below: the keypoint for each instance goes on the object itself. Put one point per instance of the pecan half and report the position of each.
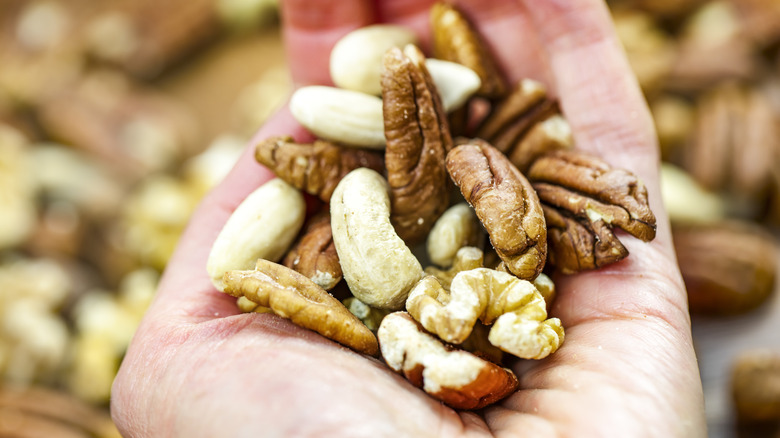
(734, 141)
(314, 254)
(755, 385)
(418, 138)
(293, 296)
(458, 378)
(728, 268)
(526, 124)
(584, 198)
(505, 203)
(577, 245)
(454, 39)
(315, 168)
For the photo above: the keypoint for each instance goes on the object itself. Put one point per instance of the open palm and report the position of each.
(197, 367)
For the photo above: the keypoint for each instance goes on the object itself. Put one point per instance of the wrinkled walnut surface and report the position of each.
(314, 168)
(505, 203)
(295, 297)
(514, 307)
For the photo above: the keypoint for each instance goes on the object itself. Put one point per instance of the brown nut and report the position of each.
(584, 198)
(755, 386)
(457, 378)
(454, 39)
(505, 203)
(314, 254)
(295, 297)
(728, 267)
(734, 142)
(576, 244)
(314, 168)
(515, 308)
(526, 124)
(417, 140)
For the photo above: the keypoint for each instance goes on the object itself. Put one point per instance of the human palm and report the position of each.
(197, 367)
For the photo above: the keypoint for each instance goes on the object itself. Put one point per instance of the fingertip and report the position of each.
(311, 28)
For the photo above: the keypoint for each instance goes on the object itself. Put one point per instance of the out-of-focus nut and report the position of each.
(735, 141)
(295, 297)
(344, 116)
(728, 267)
(712, 48)
(673, 119)
(456, 228)
(515, 306)
(47, 412)
(262, 227)
(378, 266)
(314, 254)
(650, 51)
(455, 377)
(17, 188)
(454, 39)
(505, 203)
(78, 178)
(370, 316)
(356, 59)
(418, 138)
(314, 168)
(686, 200)
(755, 385)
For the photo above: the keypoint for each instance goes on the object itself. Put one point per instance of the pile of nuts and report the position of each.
(492, 211)
(103, 158)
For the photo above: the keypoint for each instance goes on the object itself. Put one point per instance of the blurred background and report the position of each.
(117, 117)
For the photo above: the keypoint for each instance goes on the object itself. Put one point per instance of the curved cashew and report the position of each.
(262, 227)
(456, 228)
(516, 307)
(378, 266)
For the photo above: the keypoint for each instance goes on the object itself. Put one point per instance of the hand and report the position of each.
(197, 367)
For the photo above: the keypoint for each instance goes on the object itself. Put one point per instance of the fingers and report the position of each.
(504, 26)
(598, 91)
(186, 289)
(311, 28)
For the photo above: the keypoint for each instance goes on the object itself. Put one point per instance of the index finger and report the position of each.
(311, 28)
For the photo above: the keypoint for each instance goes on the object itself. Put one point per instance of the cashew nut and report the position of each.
(263, 226)
(378, 266)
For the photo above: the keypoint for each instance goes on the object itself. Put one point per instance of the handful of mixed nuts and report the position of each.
(388, 168)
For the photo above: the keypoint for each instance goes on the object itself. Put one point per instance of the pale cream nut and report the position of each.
(514, 307)
(262, 227)
(378, 266)
(343, 116)
(466, 259)
(688, 201)
(356, 59)
(456, 83)
(456, 228)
